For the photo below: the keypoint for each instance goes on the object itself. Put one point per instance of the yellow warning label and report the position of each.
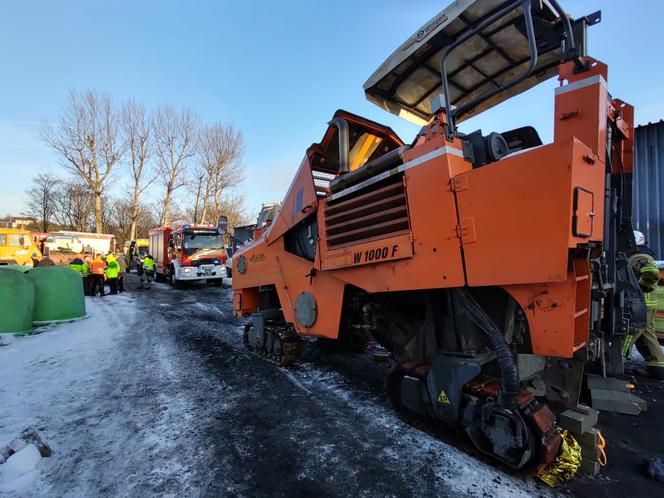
(442, 398)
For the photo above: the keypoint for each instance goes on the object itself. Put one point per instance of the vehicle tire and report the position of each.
(172, 280)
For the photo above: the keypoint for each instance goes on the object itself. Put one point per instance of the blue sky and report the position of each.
(276, 70)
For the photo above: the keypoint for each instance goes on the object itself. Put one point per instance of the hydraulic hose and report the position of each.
(509, 378)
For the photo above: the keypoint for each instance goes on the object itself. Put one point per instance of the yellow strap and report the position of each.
(602, 444)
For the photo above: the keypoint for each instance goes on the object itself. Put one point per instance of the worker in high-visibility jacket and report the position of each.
(112, 272)
(76, 264)
(80, 267)
(148, 271)
(123, 269)
(87, 276)
(645, 340)
(97, 271)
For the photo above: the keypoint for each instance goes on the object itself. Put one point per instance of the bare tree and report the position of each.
(87, 140)
(197, 201)
(73, 207)
(138, 136)
(117, 211)
(175, 134)
(220, 148)
(233, 207)
(42, 198)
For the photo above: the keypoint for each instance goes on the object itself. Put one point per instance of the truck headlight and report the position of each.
(186, 271)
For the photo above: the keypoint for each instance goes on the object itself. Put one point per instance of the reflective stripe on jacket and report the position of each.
(651, 299)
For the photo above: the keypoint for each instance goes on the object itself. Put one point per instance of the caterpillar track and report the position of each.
(277, 344)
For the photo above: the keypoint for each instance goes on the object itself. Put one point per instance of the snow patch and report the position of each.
(48, 378)
(7, 339)
(19, 471)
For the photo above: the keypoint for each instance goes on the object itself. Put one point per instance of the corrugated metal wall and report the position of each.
(648, 185)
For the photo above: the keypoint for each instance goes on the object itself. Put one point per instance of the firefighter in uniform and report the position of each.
(148, 271)
(123, 269)
(645, 340)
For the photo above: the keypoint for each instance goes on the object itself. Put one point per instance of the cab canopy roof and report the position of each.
(410, 78)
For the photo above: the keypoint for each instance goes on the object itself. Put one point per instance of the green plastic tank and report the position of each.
(17, 299)
(20, 268)
(58, 294)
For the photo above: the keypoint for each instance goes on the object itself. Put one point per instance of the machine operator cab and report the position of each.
(468, 58)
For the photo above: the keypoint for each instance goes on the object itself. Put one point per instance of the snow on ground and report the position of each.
(60, 362)
(141, 399)
(47, 376)
(19, 471)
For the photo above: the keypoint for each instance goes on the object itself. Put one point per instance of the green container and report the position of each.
(17, 299)
(20, 268)
(58, 294)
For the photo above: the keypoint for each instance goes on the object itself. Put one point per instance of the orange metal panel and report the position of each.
(381, 251)
(300, 201)
(624, 156)
(295, 276)
(557, 312)
(436, 257)
(581, 108)
(517, 214)
(588, 177)
(261, 267)
(584, 212)
(271, 264)
(245, 301)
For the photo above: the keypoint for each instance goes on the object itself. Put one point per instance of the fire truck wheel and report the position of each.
(172, 280)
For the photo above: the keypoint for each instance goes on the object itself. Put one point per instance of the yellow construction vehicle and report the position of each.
(17, 247)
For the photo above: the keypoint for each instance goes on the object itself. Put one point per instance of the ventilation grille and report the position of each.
(322, 181)
(368, 216)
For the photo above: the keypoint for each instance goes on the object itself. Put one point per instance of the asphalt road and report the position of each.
(179, 408)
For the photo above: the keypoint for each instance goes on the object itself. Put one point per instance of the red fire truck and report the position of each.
(188, 252)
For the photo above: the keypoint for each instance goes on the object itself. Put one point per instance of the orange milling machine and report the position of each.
(492, 267)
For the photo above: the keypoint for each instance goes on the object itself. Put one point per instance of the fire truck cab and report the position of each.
(188, 252)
